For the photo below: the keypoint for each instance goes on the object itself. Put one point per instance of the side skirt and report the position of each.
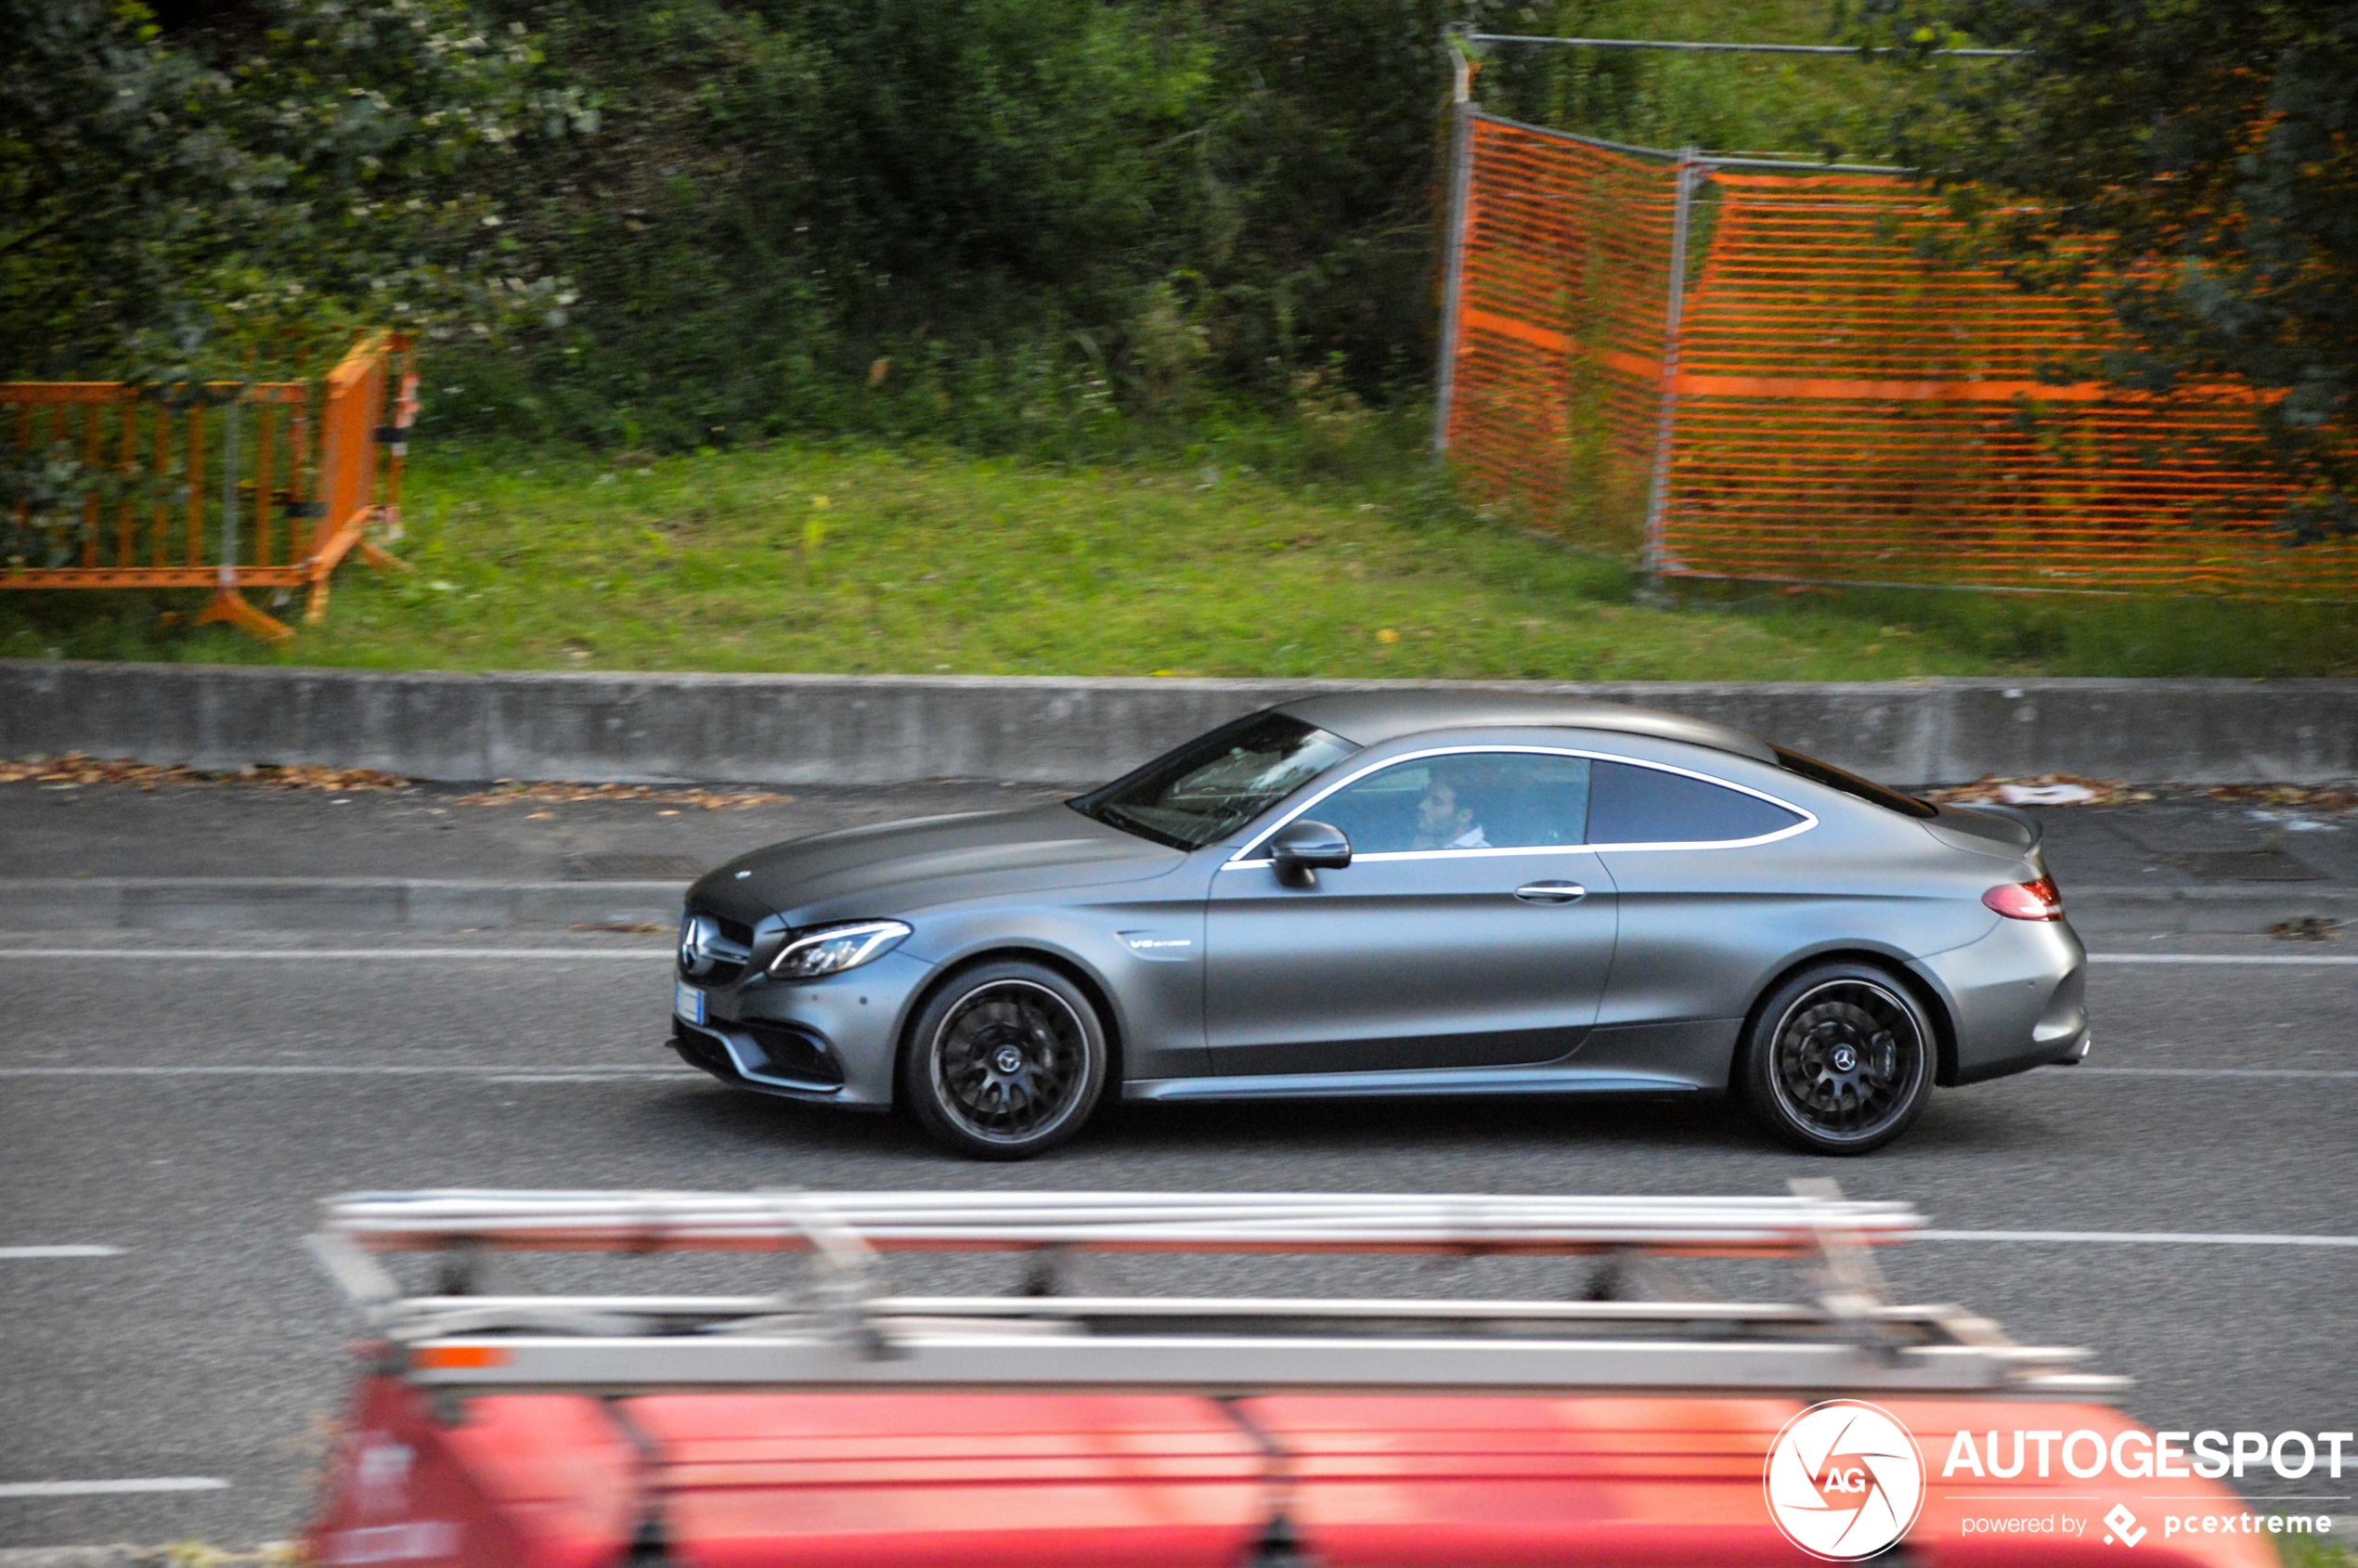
(1444, 1080)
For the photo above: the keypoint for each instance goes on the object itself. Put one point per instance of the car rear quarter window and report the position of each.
(1632, 805)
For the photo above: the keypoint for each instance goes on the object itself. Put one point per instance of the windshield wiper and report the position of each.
(1114, 816)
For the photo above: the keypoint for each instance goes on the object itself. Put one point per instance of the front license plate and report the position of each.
(687, 1001)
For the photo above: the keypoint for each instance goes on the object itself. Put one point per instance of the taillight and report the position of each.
(2027, 900)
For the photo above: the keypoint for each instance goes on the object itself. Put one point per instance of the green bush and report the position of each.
(1016, 224)
(232, 196)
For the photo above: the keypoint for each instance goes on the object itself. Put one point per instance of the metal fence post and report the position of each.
(227, 581)
(1690, 170)
(227, 605)
(1453, 257)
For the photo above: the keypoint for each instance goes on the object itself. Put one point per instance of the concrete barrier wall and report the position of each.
(856, 730)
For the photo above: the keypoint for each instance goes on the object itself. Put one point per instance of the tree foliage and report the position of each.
(2197, 161)
(225, 193)
(984, 218)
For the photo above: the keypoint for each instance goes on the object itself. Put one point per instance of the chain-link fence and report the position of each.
(1754, 370)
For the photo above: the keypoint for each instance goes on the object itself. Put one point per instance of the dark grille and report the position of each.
(788, 1052)
(699, 1049)
(779, 1051)
(725, 969)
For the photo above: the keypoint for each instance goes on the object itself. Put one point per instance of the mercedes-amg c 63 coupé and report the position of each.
(1397, 894)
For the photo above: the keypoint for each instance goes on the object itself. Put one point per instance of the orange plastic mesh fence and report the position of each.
(1560, 321)
(1844, 409)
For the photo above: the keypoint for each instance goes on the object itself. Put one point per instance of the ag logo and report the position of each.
(1844, 1480)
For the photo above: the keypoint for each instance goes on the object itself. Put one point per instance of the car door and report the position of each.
(1472, 927)
(1714, 884)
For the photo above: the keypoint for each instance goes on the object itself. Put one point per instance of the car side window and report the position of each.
(1473, 800)
(1633, 805)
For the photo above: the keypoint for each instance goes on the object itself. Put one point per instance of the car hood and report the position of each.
(896, 866)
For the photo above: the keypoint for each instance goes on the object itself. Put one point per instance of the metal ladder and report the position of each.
(836, 1327)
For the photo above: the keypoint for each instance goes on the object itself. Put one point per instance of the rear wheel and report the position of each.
(1006, 1061)
(1840, 1059)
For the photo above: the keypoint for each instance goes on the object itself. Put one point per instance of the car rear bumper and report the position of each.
(2017, 997)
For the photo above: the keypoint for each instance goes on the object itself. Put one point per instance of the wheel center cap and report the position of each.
(1845, 1058)
(1007, 1060)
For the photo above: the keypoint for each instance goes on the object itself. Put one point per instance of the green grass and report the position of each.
(1355, 562)
(2308, 1551)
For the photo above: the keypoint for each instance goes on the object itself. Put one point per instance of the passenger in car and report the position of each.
(1443, 823)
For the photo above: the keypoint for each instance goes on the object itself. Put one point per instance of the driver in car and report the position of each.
(1443, 823)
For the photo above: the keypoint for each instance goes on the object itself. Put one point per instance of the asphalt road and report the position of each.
(188, 1111)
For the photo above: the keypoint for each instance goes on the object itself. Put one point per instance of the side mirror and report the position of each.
(1302, 847)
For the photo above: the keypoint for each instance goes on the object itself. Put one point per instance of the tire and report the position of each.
(1839, 1059)
(1004, 1062)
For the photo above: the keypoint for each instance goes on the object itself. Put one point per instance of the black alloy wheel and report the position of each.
(1006, 1061)
(1839, 1060)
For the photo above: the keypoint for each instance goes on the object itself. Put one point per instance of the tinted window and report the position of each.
(1630, 805)
(1482, 800)
(1216, 783)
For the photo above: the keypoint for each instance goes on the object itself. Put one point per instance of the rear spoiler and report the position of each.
(1632, 1325)
(2037, 827)
(1988, 829)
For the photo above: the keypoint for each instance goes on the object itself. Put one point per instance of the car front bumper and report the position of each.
(2018, 997)
(831, 1041)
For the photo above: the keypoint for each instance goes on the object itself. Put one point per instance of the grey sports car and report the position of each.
(1389, 894)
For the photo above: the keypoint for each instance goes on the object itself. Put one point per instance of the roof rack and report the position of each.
(1637, 1326)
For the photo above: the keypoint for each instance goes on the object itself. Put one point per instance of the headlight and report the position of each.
(831, 950)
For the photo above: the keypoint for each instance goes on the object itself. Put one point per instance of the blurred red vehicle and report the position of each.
(840, 1426)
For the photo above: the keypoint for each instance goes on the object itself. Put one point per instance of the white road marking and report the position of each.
(613, 1073)
(148, 955)
(2142, 1237)
(2291, 960)
(496, 1072)
(2211, 1072)
(608, 1075)
(64, 1251)
(512, 954)
(112, 1488)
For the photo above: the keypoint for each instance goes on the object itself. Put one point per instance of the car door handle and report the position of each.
(1552, 892)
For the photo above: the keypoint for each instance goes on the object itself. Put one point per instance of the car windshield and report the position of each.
(1216, 783)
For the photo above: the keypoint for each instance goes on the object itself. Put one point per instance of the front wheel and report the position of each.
(1839, 1060)
(1006, 1061)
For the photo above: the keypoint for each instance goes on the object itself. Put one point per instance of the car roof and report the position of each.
(1372, 718)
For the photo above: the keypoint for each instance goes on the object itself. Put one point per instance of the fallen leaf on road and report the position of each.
(509, 792)
(75, 768)
(2315, 798)
(2046, 789)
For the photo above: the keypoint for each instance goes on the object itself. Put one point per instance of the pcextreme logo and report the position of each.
(1844, 1480)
